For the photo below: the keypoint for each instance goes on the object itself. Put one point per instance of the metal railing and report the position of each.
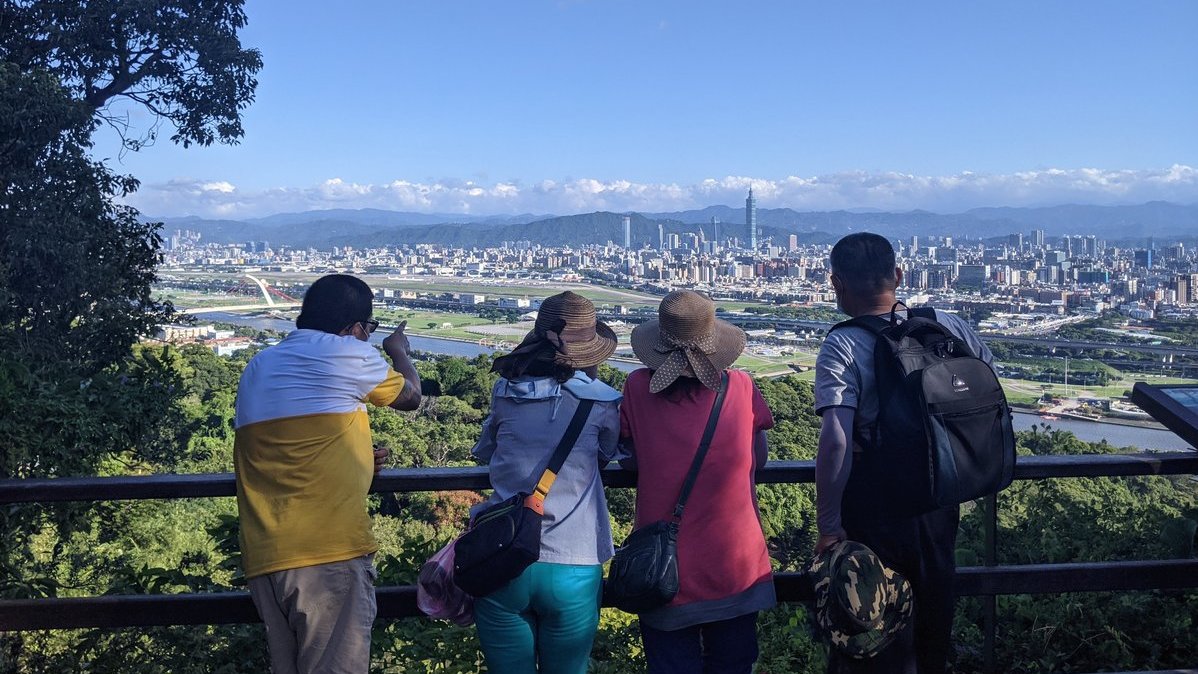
(987, 581)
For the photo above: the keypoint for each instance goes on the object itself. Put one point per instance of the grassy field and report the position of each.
(183, 299)
(1025, 392)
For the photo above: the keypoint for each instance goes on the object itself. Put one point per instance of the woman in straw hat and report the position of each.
(545, 619)
(724, 569)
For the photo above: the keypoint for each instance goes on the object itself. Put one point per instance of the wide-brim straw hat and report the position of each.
(567, 332)
(687, 340)
(861, 605)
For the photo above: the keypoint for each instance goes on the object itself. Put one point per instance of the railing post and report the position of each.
(990, 601)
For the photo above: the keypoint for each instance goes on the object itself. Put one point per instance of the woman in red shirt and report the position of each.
(724, 569)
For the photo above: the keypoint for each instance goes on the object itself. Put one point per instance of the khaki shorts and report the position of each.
(318, 618)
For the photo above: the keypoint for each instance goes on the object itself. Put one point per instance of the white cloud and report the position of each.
(220, 186)
(888, 191)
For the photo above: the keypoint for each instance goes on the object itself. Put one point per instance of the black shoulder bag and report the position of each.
(644, 573)
(505, 538)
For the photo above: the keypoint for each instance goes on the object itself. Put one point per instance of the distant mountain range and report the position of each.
(374, 227)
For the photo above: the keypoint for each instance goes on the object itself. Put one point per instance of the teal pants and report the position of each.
(543, 621)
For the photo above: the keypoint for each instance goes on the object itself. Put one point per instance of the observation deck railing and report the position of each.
(987, 581)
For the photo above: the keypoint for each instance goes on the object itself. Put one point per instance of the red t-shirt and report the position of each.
(721, 548)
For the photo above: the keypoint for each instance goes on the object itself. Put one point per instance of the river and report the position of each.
(1090, 431)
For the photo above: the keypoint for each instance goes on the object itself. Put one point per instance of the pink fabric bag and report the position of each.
(436, 593)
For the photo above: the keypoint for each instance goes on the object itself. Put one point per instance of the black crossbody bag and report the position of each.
(505, 539)
(644, 573)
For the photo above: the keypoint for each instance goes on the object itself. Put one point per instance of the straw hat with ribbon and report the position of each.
(565, 333)
(686, 340)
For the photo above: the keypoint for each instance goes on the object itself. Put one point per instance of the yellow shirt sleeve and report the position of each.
(388, 390)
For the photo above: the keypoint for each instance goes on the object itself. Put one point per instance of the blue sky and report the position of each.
(547, 106)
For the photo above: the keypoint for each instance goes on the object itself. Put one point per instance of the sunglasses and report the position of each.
(369, 325)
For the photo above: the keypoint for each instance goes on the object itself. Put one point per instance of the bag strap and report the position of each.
(923, 312)
(704, 445)
(536, 500)
(873, 324)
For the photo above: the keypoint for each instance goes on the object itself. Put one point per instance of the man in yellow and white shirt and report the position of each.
(304, 462)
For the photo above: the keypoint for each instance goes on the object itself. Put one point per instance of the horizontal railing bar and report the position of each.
(1156, 574)
(1163, 671)
(133, 487)
(1106, 465)
(400, 602)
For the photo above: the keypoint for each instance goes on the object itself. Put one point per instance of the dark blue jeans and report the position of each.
(723, 647)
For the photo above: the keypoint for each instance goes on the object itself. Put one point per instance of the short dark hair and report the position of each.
(335, 302)
(864, 263)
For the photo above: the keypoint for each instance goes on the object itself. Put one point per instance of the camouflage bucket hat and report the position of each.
(860, 604)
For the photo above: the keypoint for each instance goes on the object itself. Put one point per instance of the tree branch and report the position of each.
(96, 98)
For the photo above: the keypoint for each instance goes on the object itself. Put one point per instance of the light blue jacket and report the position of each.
(528, 418)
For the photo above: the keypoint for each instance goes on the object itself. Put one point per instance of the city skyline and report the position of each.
(556, 107)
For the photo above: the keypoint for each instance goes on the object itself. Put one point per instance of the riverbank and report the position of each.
(1133, 423)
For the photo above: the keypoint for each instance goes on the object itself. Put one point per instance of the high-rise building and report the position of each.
(1186, 286)
(914, 246)
(793, 243)
(661, 236)
(1143, 258)
(973, 275)
(715, 226)
(627, 232)
(751, 219)
(1038, 238)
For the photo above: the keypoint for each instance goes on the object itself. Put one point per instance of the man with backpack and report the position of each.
(906, 437)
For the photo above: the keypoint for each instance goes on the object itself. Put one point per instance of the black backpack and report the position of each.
(943, 434)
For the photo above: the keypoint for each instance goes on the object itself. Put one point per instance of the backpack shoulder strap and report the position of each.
(923, 312)
(927, 323)
(873, 324)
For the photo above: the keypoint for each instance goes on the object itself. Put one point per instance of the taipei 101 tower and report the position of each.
(751, 219)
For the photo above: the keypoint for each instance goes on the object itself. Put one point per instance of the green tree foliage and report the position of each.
(822, 314)
(1085, 520)
(77, 394)
(788, 510)
(179, 60)
(75, 267)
